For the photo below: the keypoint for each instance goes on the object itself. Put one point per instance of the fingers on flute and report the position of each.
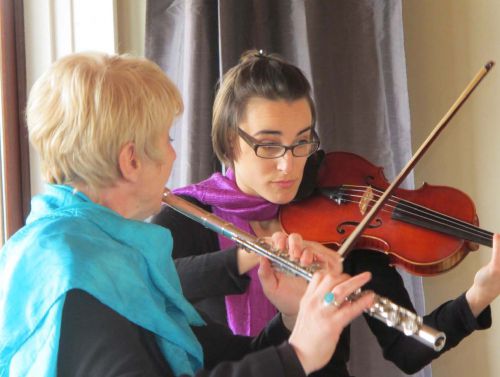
(265, 267)
(351, 310)
(347, 287)
(279, 240)
(295, 247)
(329, 259)
(308, 252)
(340, 285)
(307, 256)
(266, 274)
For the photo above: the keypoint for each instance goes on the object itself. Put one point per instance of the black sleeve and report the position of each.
(204, 270)
(97, 341)
(454, 317)
(270, 349)
(278, 361)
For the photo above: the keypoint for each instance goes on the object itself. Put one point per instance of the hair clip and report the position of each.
(261, 54)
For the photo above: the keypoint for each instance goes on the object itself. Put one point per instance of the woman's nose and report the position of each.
(285, 162)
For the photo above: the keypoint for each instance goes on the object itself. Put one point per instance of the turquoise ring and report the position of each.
(329, 299)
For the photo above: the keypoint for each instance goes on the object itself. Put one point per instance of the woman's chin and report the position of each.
(282, 198)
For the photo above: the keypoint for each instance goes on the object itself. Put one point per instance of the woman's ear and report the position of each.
(129, 163)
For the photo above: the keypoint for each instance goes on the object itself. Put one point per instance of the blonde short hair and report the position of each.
(87, 106)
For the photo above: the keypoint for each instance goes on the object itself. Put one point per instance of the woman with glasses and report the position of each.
(263, 133)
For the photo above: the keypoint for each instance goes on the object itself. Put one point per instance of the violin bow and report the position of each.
(356, 233)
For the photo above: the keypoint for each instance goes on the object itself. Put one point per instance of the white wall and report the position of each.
(447, 42)
(131, 17)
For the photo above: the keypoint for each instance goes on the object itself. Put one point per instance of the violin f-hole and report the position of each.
(377, 223)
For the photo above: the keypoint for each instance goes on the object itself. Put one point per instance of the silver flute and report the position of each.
(382, 309)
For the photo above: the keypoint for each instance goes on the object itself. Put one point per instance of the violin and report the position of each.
(427, 231)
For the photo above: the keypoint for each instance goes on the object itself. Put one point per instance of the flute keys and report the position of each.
(392, 318)
(411, 326)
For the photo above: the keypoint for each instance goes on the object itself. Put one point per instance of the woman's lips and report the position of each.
(284, 184)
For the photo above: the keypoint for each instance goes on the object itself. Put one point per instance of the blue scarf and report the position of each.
(69, 243)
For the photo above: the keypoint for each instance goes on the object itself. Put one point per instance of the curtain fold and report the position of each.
(182, 37)
(351, 51)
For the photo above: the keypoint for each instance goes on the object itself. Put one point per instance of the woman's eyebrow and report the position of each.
(273, 132)
(310, 128)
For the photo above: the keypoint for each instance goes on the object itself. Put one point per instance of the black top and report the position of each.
(208, 274)
(96, 341)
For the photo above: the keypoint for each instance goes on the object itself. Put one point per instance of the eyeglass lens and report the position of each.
(275, 151)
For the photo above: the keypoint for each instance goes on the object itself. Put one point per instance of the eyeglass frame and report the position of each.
(254, 144)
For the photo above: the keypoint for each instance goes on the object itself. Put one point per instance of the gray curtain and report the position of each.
(353, 54)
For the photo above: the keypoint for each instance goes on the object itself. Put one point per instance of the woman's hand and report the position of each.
(486, 286)
(319, 325)
(316, 327)
(299, 251)
(285, 290)
(246, 260)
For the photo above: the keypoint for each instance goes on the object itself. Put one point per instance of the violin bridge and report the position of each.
(365, 200)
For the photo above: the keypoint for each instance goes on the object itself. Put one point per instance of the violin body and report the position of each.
(407, 228)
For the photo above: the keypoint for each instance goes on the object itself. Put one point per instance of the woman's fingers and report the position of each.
(307, 252)
(319, 323)
(328, 259)
(333, 290)
(340, 292)
(295, 246)
(279, 241)
(353, 309)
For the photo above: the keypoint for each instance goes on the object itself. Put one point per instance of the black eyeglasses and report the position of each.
(270, 150)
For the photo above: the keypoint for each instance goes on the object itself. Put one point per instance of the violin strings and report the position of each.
(426, 214)
(468, 227)
(487, 239)
(443, 219)
(426, 211)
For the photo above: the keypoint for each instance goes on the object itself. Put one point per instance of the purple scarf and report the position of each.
(247, 313)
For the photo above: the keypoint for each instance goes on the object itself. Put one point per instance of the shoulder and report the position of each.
(43, 237)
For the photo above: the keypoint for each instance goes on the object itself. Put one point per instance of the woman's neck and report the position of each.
(266, 228)
(114, 197)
